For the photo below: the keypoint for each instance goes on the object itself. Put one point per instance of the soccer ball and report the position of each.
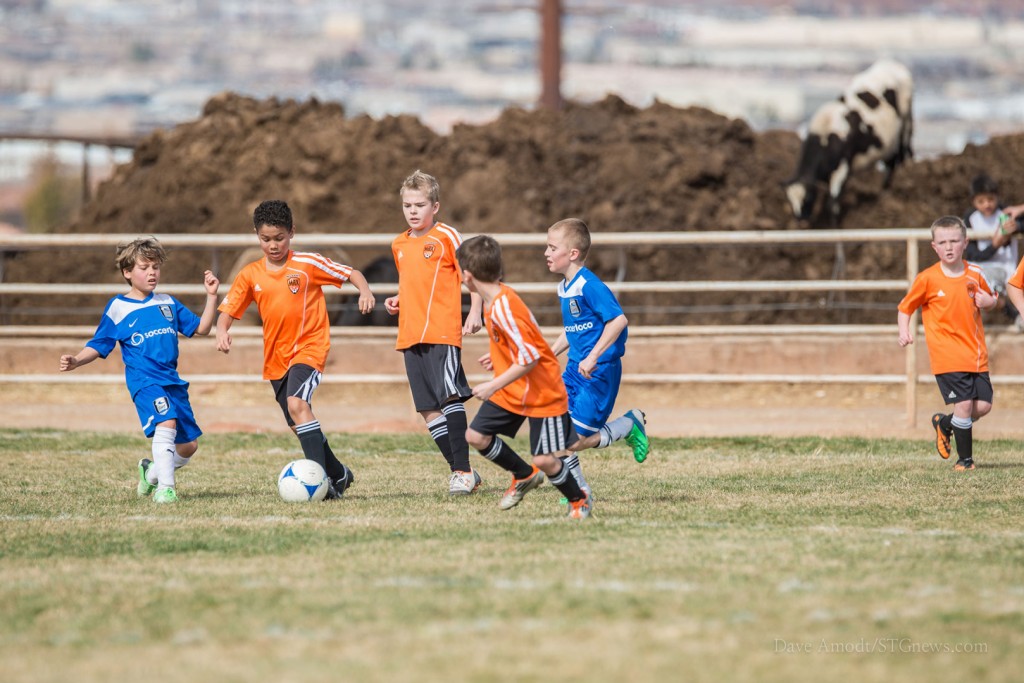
(302, 481)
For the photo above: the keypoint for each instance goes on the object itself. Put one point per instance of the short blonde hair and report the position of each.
(147, 248)
(950, 222)
(576, 233)
(425, 183)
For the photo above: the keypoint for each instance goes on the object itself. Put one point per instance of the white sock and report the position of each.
(179, 461)
(573, 463)
(163, 455)
(615, 430)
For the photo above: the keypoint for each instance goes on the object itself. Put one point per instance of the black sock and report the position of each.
(335, 470)
(946, 422)
(439, 433)
(502, 455)
(312, 441)
(566, 483)
(455, 413)
(964, 437)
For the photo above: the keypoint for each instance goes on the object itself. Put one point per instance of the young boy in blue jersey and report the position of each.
(147, 324)
(594, 333)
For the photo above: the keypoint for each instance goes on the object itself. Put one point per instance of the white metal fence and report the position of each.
(911, 238)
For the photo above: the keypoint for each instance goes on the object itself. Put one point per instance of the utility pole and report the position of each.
(551, 54)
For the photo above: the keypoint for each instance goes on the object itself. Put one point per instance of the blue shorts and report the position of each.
(592, 400)
(156, 404)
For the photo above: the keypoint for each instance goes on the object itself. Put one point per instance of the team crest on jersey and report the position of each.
(166, 311)
(161, 406)
(428, 250)
(293, 284)
(574, 308)
(496, 335)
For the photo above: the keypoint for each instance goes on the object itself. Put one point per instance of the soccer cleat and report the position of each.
(337, 487)
(519, 488)
(145, 488)
(463, 483)
(963, 465)
(165, 494)
(941, 436)
(586, 490)
(637, 437)
(579, 509)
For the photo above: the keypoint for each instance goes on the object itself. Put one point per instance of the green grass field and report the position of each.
(716, 560)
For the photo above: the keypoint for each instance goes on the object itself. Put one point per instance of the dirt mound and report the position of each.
(619, 167)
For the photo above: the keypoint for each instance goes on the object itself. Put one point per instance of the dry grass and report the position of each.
(716, 560)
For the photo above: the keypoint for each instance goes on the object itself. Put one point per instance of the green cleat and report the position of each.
(145, 488)
(637, 437)
(165, 494)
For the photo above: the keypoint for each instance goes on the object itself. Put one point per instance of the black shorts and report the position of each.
(963, 386)
(300, 381)
(547, 434)
(435, 375)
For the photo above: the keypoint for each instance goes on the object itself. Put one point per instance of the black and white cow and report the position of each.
(871, 122)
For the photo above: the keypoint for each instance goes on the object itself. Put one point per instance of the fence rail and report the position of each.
(910, 237)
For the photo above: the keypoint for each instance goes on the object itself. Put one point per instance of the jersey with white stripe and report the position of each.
(147, 331)
(515, 339)
(587, 306)
(429, 287)
(291, 305)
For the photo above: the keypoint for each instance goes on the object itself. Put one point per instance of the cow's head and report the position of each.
(802, 198)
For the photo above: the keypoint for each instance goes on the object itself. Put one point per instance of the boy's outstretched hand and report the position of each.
(367, 302)
(211, 282)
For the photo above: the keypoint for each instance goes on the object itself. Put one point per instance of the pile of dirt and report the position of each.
(619, 167)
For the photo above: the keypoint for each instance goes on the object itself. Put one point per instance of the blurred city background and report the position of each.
(121, 69)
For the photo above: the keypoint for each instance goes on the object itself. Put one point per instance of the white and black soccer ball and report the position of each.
(302, 481)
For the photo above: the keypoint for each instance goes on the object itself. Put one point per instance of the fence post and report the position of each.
(911, 350)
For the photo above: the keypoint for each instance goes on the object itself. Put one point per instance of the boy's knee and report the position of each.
(187, 450)
(477, 440)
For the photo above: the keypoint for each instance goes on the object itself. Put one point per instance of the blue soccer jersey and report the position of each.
(148, 333)
(587, 306)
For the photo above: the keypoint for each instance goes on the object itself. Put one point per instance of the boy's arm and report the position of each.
(366, 300)
(475, 320)
(211, 283)
(224, 322)
(561, 344)
(487, 389)
(612, 329)
(1016, 296)
(906, 336)
(87, 355)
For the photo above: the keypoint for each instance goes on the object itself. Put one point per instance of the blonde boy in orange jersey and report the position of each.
(527, 385)
(430, 327)
(286, 286)
(951, 295)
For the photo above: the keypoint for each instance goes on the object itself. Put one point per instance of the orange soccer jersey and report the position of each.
(1017, 279)
(516, 339)
(952, 323)
(429, 287)
(291, 304)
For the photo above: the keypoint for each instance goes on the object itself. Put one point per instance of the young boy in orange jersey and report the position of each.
(430, 326)
(951, 295)
(286, 286)
(527, 385)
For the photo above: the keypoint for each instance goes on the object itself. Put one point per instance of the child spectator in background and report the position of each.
(527, 385)
(430, 326)
(286, 287)
(951, 295)
(146, 325)
(997, 254)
